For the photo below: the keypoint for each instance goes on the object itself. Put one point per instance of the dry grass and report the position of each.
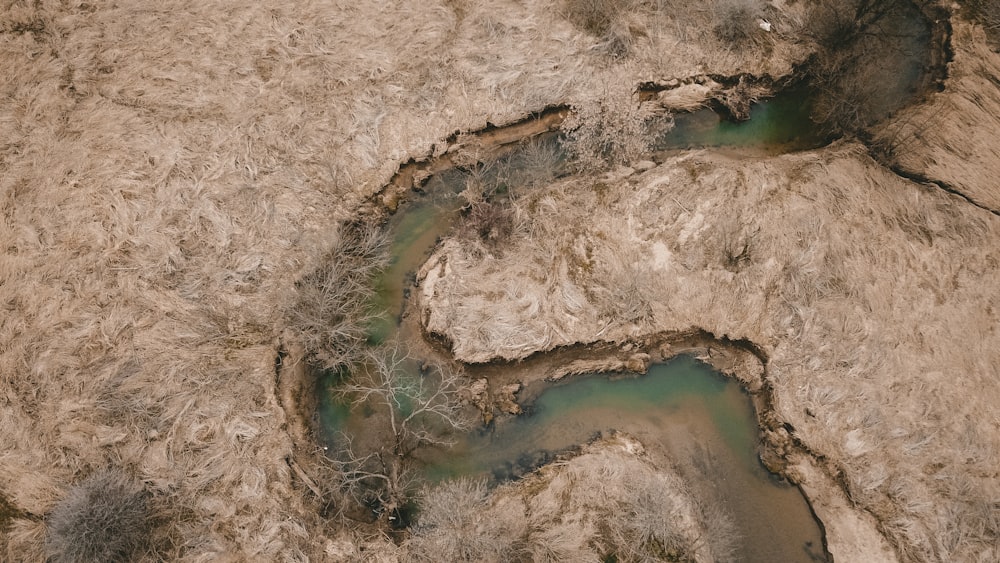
(606, 503)
(872, 296)
(169, 171)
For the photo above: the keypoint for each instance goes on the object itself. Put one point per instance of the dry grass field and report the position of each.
(169, 170)
(874, 298)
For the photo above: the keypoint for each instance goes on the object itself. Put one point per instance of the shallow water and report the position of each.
(702, 418)
(776, 125)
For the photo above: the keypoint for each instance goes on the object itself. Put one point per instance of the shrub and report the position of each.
(103, 518)
(736, 21)
(595, 16)
(454, 525)
(333, 312)
(604, 20)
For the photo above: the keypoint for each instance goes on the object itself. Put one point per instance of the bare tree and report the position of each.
(333, 313)
(609, 131)
(414, 407)
(859, 43)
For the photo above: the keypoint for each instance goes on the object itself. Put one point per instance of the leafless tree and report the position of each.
(332, 315)
(415, 407)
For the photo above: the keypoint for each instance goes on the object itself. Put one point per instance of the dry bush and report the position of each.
(537, 162)
(489, 222)
(105, 517)
(605, 20)
(736, 22)
(609, 131)
(454, 525)
(333, 314)
(595, 16)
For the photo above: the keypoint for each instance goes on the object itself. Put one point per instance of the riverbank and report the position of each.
(820, 259)
(169, 172)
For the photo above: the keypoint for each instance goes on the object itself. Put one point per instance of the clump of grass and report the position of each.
(454, 525)
(105, 517)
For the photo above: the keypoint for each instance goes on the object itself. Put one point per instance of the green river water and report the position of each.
(704, 420)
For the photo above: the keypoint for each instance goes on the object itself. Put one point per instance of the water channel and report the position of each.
(704, 420)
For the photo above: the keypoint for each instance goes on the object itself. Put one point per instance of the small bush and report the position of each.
(104, 518)
(454, 525)
(736, 21)
(333, 312)
(595, 16)
(604, 20)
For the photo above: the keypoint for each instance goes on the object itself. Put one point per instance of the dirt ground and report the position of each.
(169, 169)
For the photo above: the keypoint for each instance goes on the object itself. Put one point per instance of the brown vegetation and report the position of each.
(737, 22)
(825, 261)
(106, 517)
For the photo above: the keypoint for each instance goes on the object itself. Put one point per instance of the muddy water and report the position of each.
(703, 420)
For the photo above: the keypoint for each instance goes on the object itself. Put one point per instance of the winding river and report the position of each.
(703, 420)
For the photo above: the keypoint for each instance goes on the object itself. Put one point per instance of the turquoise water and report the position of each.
(702, 418)
(776, 125)
(570, 413)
